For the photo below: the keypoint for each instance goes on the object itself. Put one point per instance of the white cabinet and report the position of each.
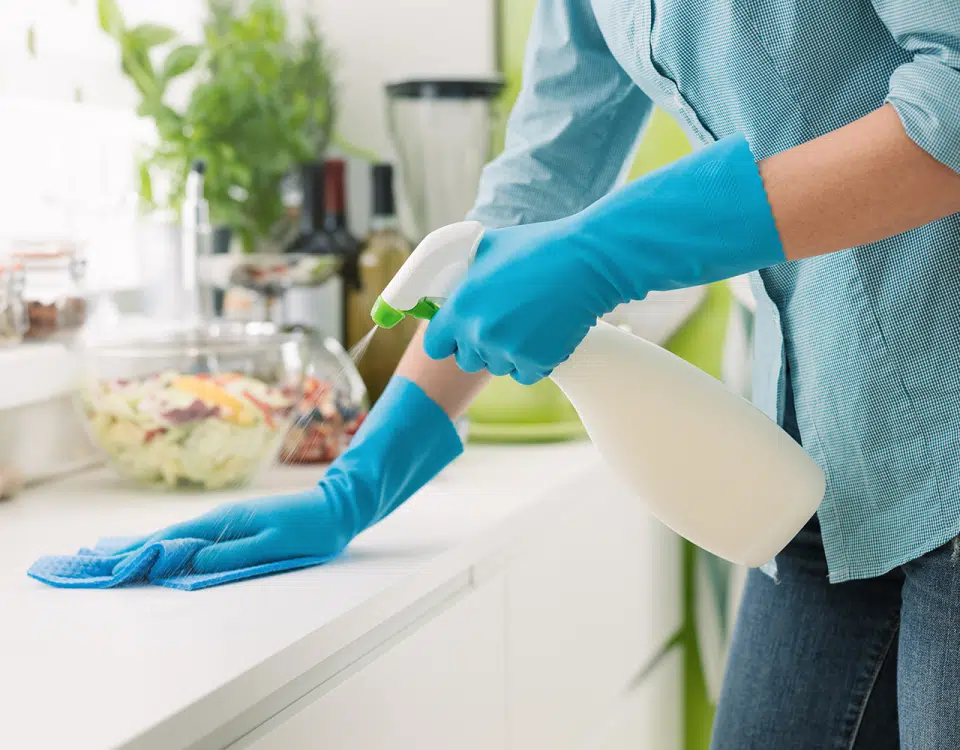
(544, 653)
(441, 687)
(588, 605)
(649, 717)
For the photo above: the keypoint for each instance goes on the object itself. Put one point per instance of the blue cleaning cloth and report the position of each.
(165, 563)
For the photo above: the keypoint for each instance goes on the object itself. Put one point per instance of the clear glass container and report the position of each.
(197, 408)
(333, 407)
(53, 290)
(443, 131)
(13, 320)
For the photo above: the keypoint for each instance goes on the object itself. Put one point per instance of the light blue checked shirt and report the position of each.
(871, 334)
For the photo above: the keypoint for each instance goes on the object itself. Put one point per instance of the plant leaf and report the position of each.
(146, 184)
(265, 102)
(32, 41)
(111, 20)
(150, 35)
(179, 61)
(136, 64)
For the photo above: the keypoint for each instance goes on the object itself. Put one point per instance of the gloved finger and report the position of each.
(235, 555)
(213, 526)
(197, 528)
(530, 376)
(439, 340)
(498, 365)
(469, 360)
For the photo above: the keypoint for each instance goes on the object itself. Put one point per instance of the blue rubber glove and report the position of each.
(535, 291)
(405, 441)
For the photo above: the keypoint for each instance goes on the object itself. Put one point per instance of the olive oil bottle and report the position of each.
(383, 252)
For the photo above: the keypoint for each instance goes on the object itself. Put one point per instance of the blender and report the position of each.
(443, 131)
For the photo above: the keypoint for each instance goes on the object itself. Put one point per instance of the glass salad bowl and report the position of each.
(333, 406)
(196, 407)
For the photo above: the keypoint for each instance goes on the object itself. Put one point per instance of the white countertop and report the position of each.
(155, 669)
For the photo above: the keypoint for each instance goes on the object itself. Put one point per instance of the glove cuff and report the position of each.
(703, 218)
(405, 441)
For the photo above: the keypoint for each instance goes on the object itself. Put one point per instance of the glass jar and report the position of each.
(13, 321)
(333, 407)
(52, 293)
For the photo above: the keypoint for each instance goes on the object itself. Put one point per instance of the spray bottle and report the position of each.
(702, 459)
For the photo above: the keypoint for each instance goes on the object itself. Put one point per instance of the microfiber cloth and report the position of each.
(160, 564)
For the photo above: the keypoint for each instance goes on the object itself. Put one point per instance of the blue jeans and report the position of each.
(871, 664)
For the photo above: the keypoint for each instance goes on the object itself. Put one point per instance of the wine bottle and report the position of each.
(314, 308)
(344, 243)
(382, 254)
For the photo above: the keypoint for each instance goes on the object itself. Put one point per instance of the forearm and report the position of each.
(861, 183)
(443, 381)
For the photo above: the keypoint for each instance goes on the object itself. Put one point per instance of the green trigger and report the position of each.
(425, 309)
(386, 316)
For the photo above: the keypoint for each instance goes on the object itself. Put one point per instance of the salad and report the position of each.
(180, 430)
(326, 419)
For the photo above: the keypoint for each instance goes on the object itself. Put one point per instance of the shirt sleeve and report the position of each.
(575, 122)
(925, 91)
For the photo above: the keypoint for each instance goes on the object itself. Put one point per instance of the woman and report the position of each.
(829, 167)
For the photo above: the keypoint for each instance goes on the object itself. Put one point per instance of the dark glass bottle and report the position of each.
(335, 224)
(315, 309)
(313, 238)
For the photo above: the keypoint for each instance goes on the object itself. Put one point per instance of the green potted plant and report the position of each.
(261, 103)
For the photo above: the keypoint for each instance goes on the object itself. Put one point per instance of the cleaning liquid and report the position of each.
(702, 459)
(359, 349)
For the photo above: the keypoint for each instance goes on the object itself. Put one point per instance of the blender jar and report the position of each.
(443, 131)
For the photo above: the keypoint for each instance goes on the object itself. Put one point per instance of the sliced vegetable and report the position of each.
(264, 408)
(208, 391)
(325, 421)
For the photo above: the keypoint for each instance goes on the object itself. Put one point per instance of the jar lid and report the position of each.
(42, 250)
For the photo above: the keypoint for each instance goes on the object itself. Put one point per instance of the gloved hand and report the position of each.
(535, 291)
(404, 442)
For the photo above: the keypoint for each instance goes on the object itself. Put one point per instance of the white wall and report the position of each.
(67, 167)
(387, 40)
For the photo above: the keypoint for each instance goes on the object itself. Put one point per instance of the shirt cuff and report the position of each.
(926, 94)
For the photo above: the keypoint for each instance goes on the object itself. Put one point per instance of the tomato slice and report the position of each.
(265, 408)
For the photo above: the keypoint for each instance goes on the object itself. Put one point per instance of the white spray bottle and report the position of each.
(702, 459)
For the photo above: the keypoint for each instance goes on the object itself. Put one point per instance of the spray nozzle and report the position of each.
(386, 316)
(433, 270)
